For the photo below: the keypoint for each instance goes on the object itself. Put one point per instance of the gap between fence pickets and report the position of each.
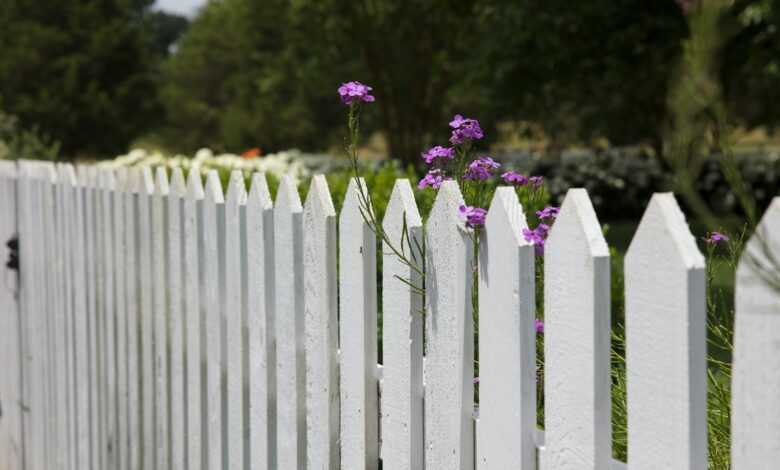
(538, 435)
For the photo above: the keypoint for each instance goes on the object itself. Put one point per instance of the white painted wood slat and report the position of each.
(577, 340)
(119, 251)
(321, 327)
(159, 227)
(402, 334)
(148, 444)
(449, 391)
(175, 261)
(665, 342)
(755, 410)
(261, 352)
(133, 317)
(212, 344)
(109, 187)
(192, 207)
(290, 356)
(358, 335)
(232, 320)
(507, 347)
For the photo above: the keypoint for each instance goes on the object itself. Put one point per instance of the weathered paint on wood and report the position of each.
(289, 320)
(402, 334)
(358, 334)
(665, 342)
(159, 212)
(146, 312)
(194, 320)
(755, 410)
(109, 319)
(175, 262)
(212, 207)
(449, 370)
(133, 316)
(577, 334)
(260, 326)
(119, 250)
(507, 347)
(321, 327)
(232, 320)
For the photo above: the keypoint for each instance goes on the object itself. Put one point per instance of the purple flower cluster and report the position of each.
(433, 179)
(548, 213)
(464, 130)
(474, 216)
(355, 92)
(713, 238)
(536, 181)
(537, 237)
(481, 169)
(438, 152)
(539, 324)
(514, 178)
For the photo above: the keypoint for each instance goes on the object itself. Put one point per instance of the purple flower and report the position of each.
(481, 169)
(355, 92)
(474, 216)
(713, 238)
(537, 237)
(536, 181)
(512, 177)
(438, 152)
(464, 129)
(539, 324)
(475, 380)
(549, 212)
(433, 179)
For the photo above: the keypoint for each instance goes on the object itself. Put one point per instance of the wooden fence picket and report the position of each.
(321, 327)
(577, 335)
(108, 189)
(10, 325)
(232, 320)
(358, 332)
(260, 326)
(119, 250)
(289, 319)
(449, 371)
(193, 319)
(507, 346)
(133, 317)
(175, 277)
(665, 342)
(212, 219)
(755, 411)
(402, 334)
(159, 224)
(148, 444)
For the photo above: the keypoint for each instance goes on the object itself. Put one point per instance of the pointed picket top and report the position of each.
(664, 220)
(109, 179)
(236, 191)
(178, 186)
(63, 175)
(146, 185)
(320, 326)
(449, 335)
(259, 195)
(213, 189)
(319, 202)
(577, 319)
(195, 185)
(121, 174)
(401, 206)
(666, 341)
(161, 184)
(48, 171)
(353, 200)
(287, 196)
(69, 174)
(507, 415)
(755, 412)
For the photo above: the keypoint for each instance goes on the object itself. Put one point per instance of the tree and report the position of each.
(79, 71)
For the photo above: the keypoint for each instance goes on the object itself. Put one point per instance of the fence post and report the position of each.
(449, 371)
(402, 333)
(321, 327)
(507, 347)
(577, 336)
(11, 442)
(665, 342)
(359, 400)
(290, 356)
(260, 325)
(755, 410)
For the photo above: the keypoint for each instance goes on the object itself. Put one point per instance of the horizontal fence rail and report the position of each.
(157, 322)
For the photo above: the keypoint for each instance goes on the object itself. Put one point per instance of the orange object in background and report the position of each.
(252, 153)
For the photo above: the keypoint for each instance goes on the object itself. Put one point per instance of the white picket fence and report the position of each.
(161, 325)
